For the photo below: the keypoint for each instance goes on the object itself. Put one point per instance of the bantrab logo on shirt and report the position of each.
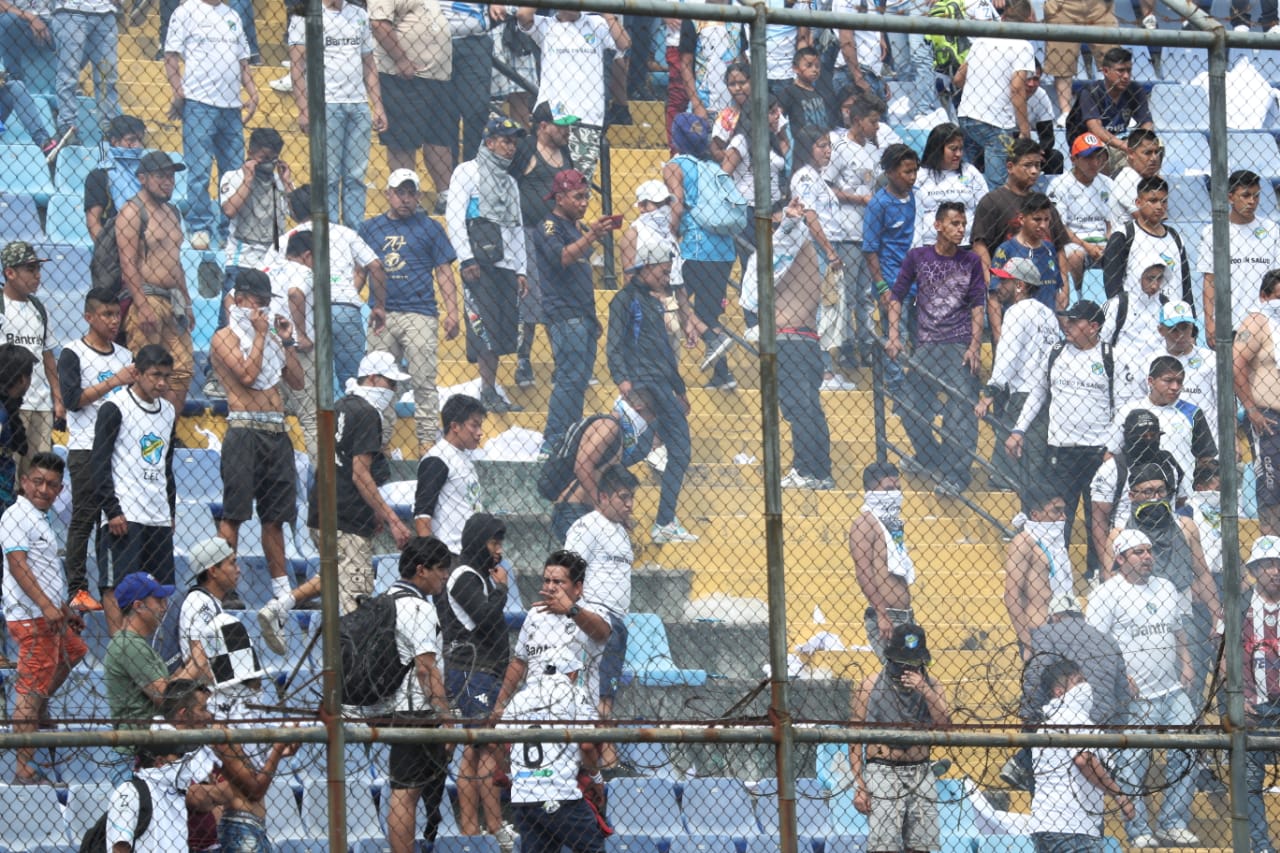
(152, 447)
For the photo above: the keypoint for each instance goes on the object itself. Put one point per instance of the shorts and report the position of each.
(143, 548)
(412, 115)
(242, 833)
(872, 623)
(1267, 463)
(40, 651)
(258, 465)
(417, 765)
(904, 809)
(495, 298)
(615, 651)
(472, 695)
(1060, 57)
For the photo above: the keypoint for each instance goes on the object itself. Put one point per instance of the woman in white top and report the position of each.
(945, 176)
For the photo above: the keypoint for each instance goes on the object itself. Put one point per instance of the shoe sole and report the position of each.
(271, 633)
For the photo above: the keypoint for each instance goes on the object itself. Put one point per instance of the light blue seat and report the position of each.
(718, 805)
(467, 844)
(650, 759)
(704, 843)
(198, 474)
(845, 818)
(19, 218)
(813, 808)
(1179, 106)
(25, 171)
(1254, 150)
(72, 167)
(1184, 151)
(67, 270)
(639, 806)
(86, 765)
(618, 843)
(386, 571)
(32, 818)
(64, 223)
(956, 815)
(85, 804)
(648, 656)
(1189, 202)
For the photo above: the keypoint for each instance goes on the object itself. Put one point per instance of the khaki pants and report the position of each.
(39, 426)
(177, 341)
(355, 569)
(1060, 57)
(413, 337)
(302, 403)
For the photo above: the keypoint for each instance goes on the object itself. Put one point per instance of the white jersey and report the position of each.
(541, 772)
(199, 608)
(965, 185)
(606, 546)
(1145, 620)
(899, 562)
(459, 498)
(1254, 249)
(1080, 408)
(1030, 330)
(546, 637)
(348, 39)
(168, 786)
(572, 51)
(211, 41)
(1141, 323)
(1084, 208)
(140, 458)
(95, 367)
(24, 327)
(1065, 801)
(854, 171)
(27, 529)
(1199, 387)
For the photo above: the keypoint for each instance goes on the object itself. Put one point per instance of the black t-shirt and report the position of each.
(359, 431)
(999, 216)
(97, 193)
(804, 108)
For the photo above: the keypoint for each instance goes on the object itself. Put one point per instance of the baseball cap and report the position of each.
(19, 253)
(381, 363)
(208, 553)
(543, 114)
(134, 587)
(1264, 548)
(1128, 540)
(1139, 422)
(253, 283)
(1176, 313)
(1064, 603)
(502, 126)
(400, 177)
(1019, 269)
(1086, 144)
(565, 181)
(907, 645)
(1085, 309)
(690, 134)
(651, 248)
(653, 191)
(158, 161)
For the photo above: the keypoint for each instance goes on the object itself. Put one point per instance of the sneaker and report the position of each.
(442, 201)
(724, 382)
(752, 334)
(282, 84)
(1015, 777)
(497, 404)
(826, 484)
(213, 389)
(1179, 836)
(271, 621)
(662, 534)
(1144, 841)
(716, 348)
(200, 241)
(84, 602)
(524, 373)
(795, 480)
(1061, 120)
(836, 382)
(506, 836)
(657, 458)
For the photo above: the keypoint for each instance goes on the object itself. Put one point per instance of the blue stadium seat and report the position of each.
(73, 165)
(956, 815)
(448, 820)
(845, 818)
(1184, 151)
(639, 806)
(467, 844)
(618, 843)
(66, 314)
(19, 218)
(88, 127)
(198, 473)
(82, 697)
(86, 765)
(718, 805)
(1189, 202)
(648, 656)
(284, 821)
(25, 171)
(1179, 106)
(386, 571)
(704, 843)
(844, 844)
(67, 270)
(362, 814)
(1254, 150)
(649, 759)
(19, 828)
(813, 808)
(64, 223)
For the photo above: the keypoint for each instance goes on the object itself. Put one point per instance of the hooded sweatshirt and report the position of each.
(471, 607)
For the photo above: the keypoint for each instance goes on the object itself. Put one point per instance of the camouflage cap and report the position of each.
(19, 253)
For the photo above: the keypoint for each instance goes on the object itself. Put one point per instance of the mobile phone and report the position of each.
(615, 222)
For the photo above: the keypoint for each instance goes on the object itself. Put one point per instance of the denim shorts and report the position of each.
(472, 695)
(611, 659)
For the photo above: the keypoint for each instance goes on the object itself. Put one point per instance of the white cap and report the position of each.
(651, 248)
(208, 553)
(1265, 548)
(653, 191)
(1128, 540)
(381, 363)
(401, 176)
(1175, 313)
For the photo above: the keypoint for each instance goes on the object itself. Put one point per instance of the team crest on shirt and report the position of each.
(1097, 368)
(1168, 259)
(1151, 608)
(1194, 362)
(152, 447)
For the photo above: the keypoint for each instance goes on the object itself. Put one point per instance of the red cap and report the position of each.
(565, 181)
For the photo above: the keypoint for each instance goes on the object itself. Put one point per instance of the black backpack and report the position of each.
(1108, 366)
(95, 839)
(371, 667)
(557, 471)
(104, 265)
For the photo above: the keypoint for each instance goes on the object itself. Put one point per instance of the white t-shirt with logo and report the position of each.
(212, 44)
(606, 546)
(1080, 408)
(140, 458)
(23, 326)
(1142, 250)
(546, 637)
(95, 367)
(347, 251)
(852, 170)
(287, 276)
(1255, 249)
(1084, 208)
(572, 80)
(348, 38)
(1144, 619)
(866, 43)
(992, 64)
(168, 785)
(25, 528)
(967, 186)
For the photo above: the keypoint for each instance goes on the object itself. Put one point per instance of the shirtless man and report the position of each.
(880, 560)
(149, 236)
(1037, 567)
(250, 356)
(1258, 387)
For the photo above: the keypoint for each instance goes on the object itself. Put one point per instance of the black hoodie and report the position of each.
(471, 607)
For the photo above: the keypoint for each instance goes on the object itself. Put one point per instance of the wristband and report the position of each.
(882, 286)
(1018, 432)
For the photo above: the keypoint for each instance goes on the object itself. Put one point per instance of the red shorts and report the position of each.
(40, 651)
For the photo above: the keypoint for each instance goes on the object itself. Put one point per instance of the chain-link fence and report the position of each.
(919, 529)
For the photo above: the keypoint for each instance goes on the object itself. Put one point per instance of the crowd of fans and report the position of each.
(883, 254)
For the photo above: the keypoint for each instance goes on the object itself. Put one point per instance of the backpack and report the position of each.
(95, 839)
(40, 310)
(716, 205)
(1122, 313)
(371, 667)
(104, 265)
(557, 471)
(1108, 365)
(949, 52)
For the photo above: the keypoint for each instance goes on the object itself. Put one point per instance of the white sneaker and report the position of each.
(836, 382)
(506, 836)
(793, 479)
(1061, 121)
(662, 534)
(1179, 836)
(752, 334)
(1144, 841)
(1150, 23)
(282, 84)
(1274, 30)
(200, 241)
(271, 621)
(723, 345)
(657, 459)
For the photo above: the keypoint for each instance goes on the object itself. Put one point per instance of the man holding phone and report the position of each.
(563, 251)
(250, 356)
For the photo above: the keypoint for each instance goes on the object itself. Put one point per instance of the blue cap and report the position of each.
(134, 587)
(502, 126)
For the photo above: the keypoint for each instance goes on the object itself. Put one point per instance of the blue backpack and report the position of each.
(715, 205)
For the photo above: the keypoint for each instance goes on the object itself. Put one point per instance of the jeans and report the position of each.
(1017, 473)
(16, 101)
(17, 44)
(859, 295)
(1066, 842)
(1069, 471)
(242, 833)
(84, 517)
(1255, 775)
(991, 142)
(799, 377)
(348, 341)
(945, 364)
(209, 133)
(673, 425)
(1171, 709)
(472, 70)
(573, 346)
(81, 39)
(347, 146)
(244, 8)
(913, 65)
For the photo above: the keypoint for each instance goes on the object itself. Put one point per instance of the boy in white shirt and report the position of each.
(1254, 248)
(1083, 198)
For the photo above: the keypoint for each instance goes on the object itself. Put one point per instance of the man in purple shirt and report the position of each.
(950, 300)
